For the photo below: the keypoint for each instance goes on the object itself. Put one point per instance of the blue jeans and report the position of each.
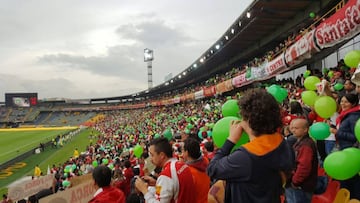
(297, 196)
(329, 146)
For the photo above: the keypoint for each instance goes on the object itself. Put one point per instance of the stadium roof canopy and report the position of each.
(269, 24)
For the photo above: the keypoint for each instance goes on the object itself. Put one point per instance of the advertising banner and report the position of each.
(224, 86)
(275, 65)
(209, 91)
(343, 25)
(199, 94)
(81, 193)
(30, 187)
(301, 49)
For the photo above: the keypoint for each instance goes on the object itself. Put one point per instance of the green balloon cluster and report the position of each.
(310, 82)
(325, 106)
(352, 58)
(319, 130)
(309, 97)
(221, 132)
(230, 108)
(138, 151)
(277, 92)
(342, 165)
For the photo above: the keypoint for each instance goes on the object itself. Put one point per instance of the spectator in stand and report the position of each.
(250, 177)
(209, 150)
(345, 122)
(105, 192)
(175, 183)
(198, 164)
(128, 174)
(296, 111)
(303, 180)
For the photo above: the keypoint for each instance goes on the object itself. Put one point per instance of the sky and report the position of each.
(81, 49)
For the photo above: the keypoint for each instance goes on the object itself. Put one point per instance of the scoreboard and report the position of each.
(21, 99)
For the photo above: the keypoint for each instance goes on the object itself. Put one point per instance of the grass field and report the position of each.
(47, 158)
(14, 142)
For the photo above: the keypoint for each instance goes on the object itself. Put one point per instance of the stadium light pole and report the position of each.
(149, 57)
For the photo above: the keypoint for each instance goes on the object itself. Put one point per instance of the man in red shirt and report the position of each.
(175, 183)
(105, 192)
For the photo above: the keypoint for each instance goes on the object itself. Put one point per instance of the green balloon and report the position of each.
(357, 130)
(221, 131)
(277, 92)
(187, 131)
(73, 167)
(111, 166)
(325, 106)
(338, 86)
(310, 82)
(352, 58)
(167, 133)
(157, 135)
(355, 155)
(105, 161)
(330, 74)
(312, 15)
(189, 126)
(66, 183)
(230, 108)
(320, 130)
(95, 163)
(307, 73)
(339, 165)
(309, 97)
(138, 150)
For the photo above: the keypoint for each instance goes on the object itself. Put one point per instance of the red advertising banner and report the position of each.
(190, 96)
(301, 49)
(275, 65)
(344, 24)
(224, 86)
(239, 80)
(209, 91)
(183, 98)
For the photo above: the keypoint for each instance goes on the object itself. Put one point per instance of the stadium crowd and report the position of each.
(144, 147)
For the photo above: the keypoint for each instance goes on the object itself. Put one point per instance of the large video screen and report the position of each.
(21, 99)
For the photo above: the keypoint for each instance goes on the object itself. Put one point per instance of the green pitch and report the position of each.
(48, 157)
(15, 143)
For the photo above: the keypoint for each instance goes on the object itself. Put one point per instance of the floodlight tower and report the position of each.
(149, 57)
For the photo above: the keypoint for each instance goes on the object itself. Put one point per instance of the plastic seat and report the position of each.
(342, 196)
(329, 195)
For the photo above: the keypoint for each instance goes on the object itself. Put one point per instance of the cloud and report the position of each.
(127, 60)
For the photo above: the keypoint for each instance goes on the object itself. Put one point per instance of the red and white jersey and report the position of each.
(175, 184)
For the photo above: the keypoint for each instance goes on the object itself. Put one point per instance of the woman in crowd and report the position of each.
(345, 122)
